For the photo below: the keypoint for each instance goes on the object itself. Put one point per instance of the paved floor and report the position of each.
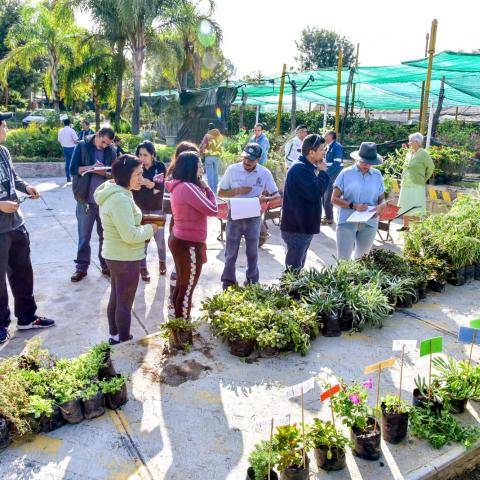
(193, 416)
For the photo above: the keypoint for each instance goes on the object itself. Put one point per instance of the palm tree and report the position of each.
(45, 30)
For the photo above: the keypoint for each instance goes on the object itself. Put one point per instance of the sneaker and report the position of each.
(106, 272)
(40, 322)
(111, 341)
(77, 276)
(4, 336)
(327, 221)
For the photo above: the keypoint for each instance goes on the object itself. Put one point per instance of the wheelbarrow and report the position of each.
(389, 214)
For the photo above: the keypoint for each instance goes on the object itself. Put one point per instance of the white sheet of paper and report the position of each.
(410, 345)
(361, 217)
(296, 390)
(262, 425)
(244, 208)
(96, 169)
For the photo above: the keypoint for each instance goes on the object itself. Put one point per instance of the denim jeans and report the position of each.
(327, 201)
(250, 229)
(211, 169)
(87, 216)
(297, 248)
(354, 236)
(159, 240)
(67, 155)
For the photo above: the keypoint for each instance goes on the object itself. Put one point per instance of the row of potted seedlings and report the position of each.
(40, 393)
(429, 418)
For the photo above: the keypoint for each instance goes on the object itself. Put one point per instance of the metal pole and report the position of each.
(409, 114)
(423, 83)
(257, 115)
(325, 114)
(280, 100)
(431, 51)
(353, 88)
(456, 113)
(339, 84)
(430, 124)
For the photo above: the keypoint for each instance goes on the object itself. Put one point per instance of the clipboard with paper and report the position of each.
(362, 217)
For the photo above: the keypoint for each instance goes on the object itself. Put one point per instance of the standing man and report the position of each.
(261, 139)
(293, 148)
(68, 138)
(85, 131)
(334, 159)
(246, 179)
(15, 247)
(305, 187)
(96, 151)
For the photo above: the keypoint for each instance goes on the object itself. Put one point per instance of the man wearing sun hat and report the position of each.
(246, 179)
(15, 247)
(359, 188)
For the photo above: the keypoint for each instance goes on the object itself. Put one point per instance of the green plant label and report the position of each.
(475, 323)
(432, 345)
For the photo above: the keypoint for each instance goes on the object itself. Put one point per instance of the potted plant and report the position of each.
(292, 459)
(179, 333)
(102, 354)
(351, 404)
(240, 333)
(263, 456)
(329, 445)
(326, 304)
(4, 434)
(423, 397)
(394, 419)
(115, 391)
(93, 401)
(42, 413)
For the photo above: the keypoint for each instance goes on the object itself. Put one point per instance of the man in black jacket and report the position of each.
(96, 151)
(305, 186)
(15, 247)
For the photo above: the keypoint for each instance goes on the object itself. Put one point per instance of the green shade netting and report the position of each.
(451, 62)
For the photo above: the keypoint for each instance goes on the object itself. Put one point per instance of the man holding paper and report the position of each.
(305, 187)
(359, 192)
(245, 184)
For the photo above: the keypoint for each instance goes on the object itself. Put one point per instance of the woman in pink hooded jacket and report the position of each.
(192, 202)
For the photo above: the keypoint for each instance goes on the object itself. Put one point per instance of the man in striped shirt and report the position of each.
(15, 247)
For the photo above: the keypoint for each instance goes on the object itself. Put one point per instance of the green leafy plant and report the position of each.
(176, 324)
(289, 447)
(324, 434)
(90, 391)
(263, 456)
(392, 404)
(112, 385)
(38, 406)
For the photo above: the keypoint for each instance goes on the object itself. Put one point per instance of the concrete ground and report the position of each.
(193, 416)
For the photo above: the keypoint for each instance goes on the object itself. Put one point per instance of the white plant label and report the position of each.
(410, 345)
(296, 390)
(263, 425)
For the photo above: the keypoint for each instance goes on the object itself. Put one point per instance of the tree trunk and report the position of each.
(347, 98)
(436, 115)
(119, 71)
(138, 55)
(97, 116)
(53, 76)
(293, 114)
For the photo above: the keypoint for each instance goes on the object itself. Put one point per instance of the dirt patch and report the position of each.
(175, 375)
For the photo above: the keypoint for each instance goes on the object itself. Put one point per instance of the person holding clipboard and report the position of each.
(359, 188)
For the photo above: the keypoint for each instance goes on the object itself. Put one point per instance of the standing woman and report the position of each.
(418, 169)
(150, 198)
(124, 242)
(358, 188)
(192, 202)
(210, 148)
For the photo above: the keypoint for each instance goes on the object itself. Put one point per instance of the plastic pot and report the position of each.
(416, 297)
(242, 348)
(179, 338)
(406, 302)
(108, 371)
(366, 442)
(457, 405)
(115, 400)
(95, 406)
(457, 277)
(270, 351)
(251, 475)
(72, 411)
(477, 271)
(422, 402)
(437, 285)
(296, 473)
(346, 320)
(469, 273)
(337, 462)
(330, 325)
(54, 421)
(4, 434)
(422, 291)
(394, 426)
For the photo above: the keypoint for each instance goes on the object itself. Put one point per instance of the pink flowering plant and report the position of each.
(351, 403)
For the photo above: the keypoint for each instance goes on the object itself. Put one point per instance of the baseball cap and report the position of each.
(210, 126)
(5, 115)
(253, 151)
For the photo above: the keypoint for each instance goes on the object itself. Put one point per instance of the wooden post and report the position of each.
(270, 449)
(401, 377)
(309, 107)
(331, 409)
(430, 373)
(378, 397)
(367, 115)
(280, 100)
(347, 98)
(409, 114)
(471, 348)
(456, 114)
(353, 89)
(423, 83)
(339, 85)
(303, 430)
(431, 51)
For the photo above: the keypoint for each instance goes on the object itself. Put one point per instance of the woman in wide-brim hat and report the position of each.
(358, 188)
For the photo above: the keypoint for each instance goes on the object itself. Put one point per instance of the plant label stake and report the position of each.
(329, 394)
(404, 346)
(270, 449)
(303, 431)
(378, 367)
(429, 347)
(469, 335)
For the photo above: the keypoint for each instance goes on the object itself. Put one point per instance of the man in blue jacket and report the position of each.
(305, 187)
(334, 158)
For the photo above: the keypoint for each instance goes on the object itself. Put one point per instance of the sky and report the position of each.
(259, 35)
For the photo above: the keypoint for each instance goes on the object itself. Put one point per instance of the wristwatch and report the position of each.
(350, 205)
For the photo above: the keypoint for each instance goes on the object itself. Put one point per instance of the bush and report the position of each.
(34, 141)
(450, 161)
